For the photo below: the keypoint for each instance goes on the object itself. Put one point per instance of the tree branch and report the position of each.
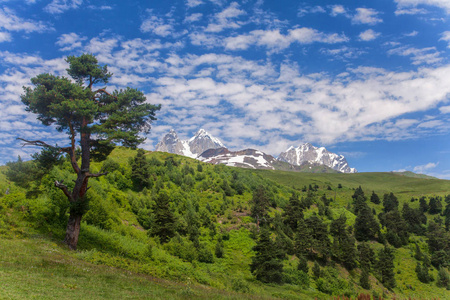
(104, 92)
(64, 189)
(37, 143)
(97, 174)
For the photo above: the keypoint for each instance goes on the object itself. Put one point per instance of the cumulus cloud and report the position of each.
(193, 3)
(445, 109)
(226, 19)
(275, 40)
(428, 55)
(60, 6)
(157, 25)
(413, 4)
(11, 22)
(368, 35)
(366, 16)
(337, 10)
(425, 168)
(303, 11)
(446, 37)
(5, 37)
(70, 41)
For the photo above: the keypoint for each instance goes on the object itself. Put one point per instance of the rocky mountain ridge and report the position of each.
(206, 148)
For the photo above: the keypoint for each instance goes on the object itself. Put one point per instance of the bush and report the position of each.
(239, 285)
(331, 284)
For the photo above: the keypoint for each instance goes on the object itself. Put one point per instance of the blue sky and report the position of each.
(367, 79)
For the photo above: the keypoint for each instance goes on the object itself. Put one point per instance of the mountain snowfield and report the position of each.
(315, 155)
(206, 148)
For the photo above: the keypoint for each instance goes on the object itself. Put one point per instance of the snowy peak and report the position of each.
(308, 153)
(248, 158)
(196, 145)
(203, 141)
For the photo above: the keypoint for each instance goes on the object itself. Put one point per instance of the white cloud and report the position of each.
(445, 109)
(425, 168)
(70, 41)
(10, 22)
(418, 56)
(412, 33)
(275, 40)
(411, 11)
(444, 4)
(446, 37)
(193, 18)
(60, 6)
(337, 10)
(193, 3)
(102, 7)
(366, 16)
(157, 25)
(368, 35)
(303, 11)
(225, 19)
(5, 37)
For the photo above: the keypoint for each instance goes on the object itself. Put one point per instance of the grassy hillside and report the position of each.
(381, 182)
(120, 256)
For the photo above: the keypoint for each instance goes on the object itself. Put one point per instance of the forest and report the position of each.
(250, 233)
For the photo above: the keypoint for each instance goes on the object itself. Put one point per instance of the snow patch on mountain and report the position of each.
(193, 147)
(308, 153)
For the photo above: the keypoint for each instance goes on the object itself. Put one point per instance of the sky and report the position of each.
(366, 79)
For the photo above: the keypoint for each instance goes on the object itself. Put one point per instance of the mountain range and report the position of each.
(204, 147)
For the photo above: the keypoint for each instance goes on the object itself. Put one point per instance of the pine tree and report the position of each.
(435, 206)
(385, 266)
(374, 198)
(267, 264)
(93, 118)
(293, 212)
(316, 270)
(219, 250)
(364, 279)
(320, 241)
(390, 202)
(422, 273)
(302, 239)
(164, 219)
(423, 204)
(443, 279)
(366, 227)
(260, 204)
(140, 172)
(302, 264)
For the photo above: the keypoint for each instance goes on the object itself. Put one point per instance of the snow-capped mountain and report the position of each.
(205, 147)
(307, 153)
(248, 158)
(193, 147)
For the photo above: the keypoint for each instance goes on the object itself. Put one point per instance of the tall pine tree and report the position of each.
(267, 264)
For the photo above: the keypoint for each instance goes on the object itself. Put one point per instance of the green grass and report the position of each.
(37, 268)
(380, 182)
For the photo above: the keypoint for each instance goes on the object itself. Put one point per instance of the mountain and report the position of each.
(315, 156)
(248, 158)
(193, 147)
(207, 148)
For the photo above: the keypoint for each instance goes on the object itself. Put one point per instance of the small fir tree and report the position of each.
(385, 266)
(374, 198)
(164, 219)
(267, 264)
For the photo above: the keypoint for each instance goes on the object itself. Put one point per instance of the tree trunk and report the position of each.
(73, 230)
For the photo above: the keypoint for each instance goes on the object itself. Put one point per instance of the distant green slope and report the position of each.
(380, 182)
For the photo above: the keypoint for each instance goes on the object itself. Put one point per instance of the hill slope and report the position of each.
(212, 247)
